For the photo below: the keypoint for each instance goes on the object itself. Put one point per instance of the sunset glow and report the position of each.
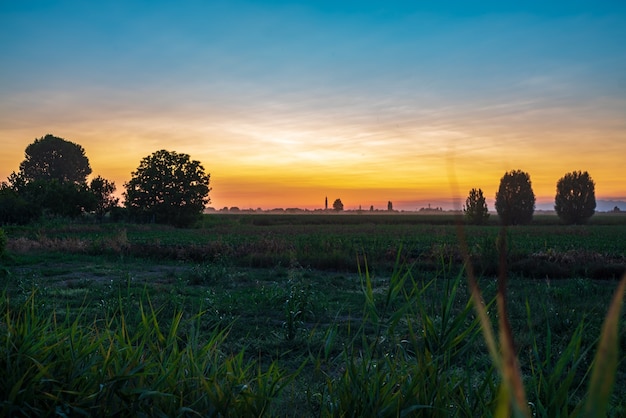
(287, 103)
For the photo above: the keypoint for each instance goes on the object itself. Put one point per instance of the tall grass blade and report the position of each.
(505, 360)
(478, 301)
(606, 359)
(510, 366)
(368, 292)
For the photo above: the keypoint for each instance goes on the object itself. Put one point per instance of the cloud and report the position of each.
(323, 96)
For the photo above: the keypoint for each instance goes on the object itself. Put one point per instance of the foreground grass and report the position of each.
(110, 337)
(274, 315)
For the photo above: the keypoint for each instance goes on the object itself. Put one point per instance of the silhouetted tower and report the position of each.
(326, 203)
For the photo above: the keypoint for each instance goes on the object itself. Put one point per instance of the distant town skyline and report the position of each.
(602, 206)
(285, 103)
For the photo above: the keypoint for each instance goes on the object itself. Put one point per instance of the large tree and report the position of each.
(515, 199)
(168, 187)
(53, 158)
(575, 200)
(52, 179)
(476, 211)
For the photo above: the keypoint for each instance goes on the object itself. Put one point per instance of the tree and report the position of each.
(53, 158)
(103, 190)
(475, 208)
(52, 179)
(337, 205)
(168, 188)
(515, 200)
(390, 206)
(575, 200)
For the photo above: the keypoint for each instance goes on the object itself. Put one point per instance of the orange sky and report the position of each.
(277, 165)
(286, 105)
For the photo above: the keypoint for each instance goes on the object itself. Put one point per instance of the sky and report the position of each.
(287, 103)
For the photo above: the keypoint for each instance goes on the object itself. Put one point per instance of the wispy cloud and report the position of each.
(313, 97)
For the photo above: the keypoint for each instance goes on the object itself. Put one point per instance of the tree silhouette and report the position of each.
(52, 179)
(53, 158)
(168, 188)
(475, 209)
(103, 190)
(575, 200)
(515, 200)
(337, 205)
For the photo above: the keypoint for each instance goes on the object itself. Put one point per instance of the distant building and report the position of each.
(431, 209)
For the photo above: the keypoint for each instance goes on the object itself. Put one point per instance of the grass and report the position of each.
(330, 242)
(106, 332)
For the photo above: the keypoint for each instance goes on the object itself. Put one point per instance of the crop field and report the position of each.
(306, 315)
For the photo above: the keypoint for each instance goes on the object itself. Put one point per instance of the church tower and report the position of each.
(326, 203)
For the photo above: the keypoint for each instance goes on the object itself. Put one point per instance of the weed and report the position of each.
(298, 304)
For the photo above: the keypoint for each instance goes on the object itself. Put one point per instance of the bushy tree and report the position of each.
(103, 190)
(575, 200)
(337, 205)
(475, 209)
(52, 181)
(168, 187)
(515, 199)
(53, 158)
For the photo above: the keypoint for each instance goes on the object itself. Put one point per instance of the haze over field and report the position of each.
(286, 103)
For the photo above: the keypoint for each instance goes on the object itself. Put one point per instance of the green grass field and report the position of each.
(303, 315)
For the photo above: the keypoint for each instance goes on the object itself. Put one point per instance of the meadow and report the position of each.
(306, 315)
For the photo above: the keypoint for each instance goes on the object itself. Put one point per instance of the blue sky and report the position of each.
(354, 98)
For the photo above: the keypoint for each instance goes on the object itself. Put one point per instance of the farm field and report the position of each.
(301, 315)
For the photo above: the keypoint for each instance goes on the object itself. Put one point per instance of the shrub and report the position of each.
(14, 209)
(3, 241)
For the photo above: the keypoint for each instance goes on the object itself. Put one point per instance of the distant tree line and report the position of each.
(171, 188)
(167, 187)
(574, 203)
